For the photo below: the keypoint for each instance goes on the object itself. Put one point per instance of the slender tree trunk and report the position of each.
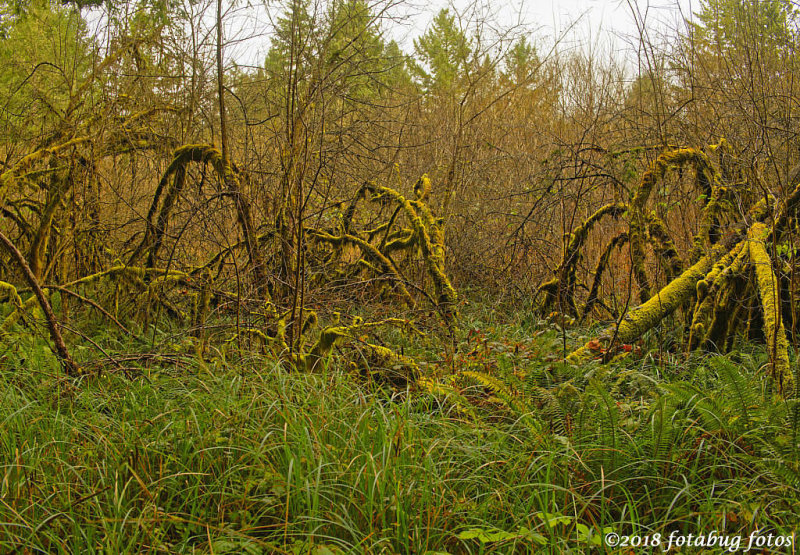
(67, 362)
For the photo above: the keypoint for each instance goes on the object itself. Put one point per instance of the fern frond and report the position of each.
(506, 394)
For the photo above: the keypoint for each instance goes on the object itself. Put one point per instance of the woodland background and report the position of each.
(334, 300)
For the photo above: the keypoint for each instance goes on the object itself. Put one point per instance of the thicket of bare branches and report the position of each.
(148, 178)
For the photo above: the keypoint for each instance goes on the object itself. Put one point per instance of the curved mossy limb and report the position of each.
(387, 268)
(422, 188)
(371, 233)
(769, 293)
(677, 157)
(550, 290)
(708, 234)
(665, 302)
(602, 264)
(204, 154)
(11, 293)
(181, 158)
(135, 272)
(562, 287)
(430, 239)
(347, 217)
(160, 228)
(577, 239)
(398, 240)
(706, 177)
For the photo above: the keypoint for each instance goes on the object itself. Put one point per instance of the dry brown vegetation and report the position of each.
(147, 180)
(488, 292)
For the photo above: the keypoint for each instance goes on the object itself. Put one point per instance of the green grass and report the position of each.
(527, 454)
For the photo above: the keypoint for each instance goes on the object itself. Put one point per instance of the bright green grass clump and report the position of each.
(246, 461)
(517, 453)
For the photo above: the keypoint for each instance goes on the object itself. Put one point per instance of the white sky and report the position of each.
(601, 25)
(595, 23)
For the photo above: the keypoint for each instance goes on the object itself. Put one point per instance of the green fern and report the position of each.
(507, 395)
(659, 433)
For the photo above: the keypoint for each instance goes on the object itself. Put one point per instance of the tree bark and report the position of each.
(69, 365)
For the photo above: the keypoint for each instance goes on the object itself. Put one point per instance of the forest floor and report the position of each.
(514, 452)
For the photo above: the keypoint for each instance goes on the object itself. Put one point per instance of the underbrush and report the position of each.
(500, 448)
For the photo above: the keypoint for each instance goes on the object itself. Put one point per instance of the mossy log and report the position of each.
(708, 290)
(695, 281)
(730, 263)
(769, 293)
(331, 335)
(659, 306)
(716, 280)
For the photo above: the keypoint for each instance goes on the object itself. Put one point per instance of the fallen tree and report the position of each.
(734, 257)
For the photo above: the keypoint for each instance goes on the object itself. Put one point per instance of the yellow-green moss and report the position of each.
(10, 176)
(430, 239)
(175, 175)
(563, 284)
(331, 335)
(386, 266)
(423, 187)
(706, 177)
(663, 246)
(16, 301)
(665, 302)
(707, 290)
(769, 293)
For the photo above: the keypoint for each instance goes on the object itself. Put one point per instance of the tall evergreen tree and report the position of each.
(445, 52)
